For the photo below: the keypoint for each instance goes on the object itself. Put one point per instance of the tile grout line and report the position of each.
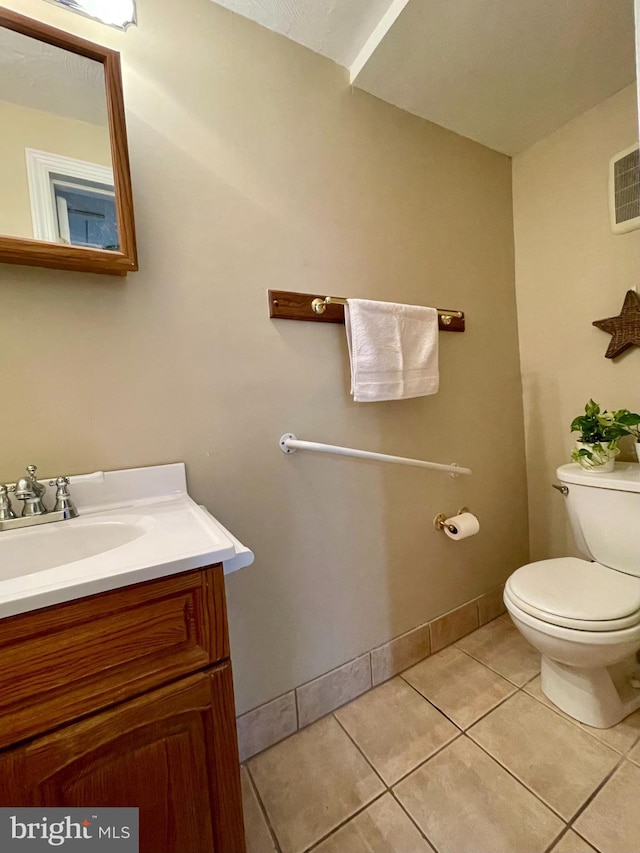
(343, 823)
(263, 809)
(419, 828)
(519, 781)
(491, 710)
(426, 760)
(496, 671)
(595, 793)
(581, 726)
(457, 725)
(557, 839)
(420, 764)
(426, 699)
(360, 751)
(567, 821)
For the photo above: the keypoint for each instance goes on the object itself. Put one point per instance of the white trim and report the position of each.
(40, 166)
(373, 42)
(63, 220)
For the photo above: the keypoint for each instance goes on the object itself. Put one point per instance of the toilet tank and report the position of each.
(604, 510)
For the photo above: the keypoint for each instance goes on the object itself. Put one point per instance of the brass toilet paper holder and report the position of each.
(440, 521)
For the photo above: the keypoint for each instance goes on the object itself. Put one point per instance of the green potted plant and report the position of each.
(631, 422)
(600, 431)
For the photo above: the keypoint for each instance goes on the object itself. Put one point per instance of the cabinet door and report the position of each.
(70, 660)
(171, 753)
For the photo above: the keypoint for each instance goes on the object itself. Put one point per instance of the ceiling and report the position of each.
(43, 77)
(505, 73)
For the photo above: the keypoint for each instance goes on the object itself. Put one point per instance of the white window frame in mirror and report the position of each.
(41, 167)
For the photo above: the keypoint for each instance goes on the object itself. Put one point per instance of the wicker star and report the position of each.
(625, 328)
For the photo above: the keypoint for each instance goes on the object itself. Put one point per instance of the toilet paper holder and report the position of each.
(440, 521)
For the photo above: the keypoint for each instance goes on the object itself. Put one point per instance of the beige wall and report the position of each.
(26, 128)
(255, 166)
(570, 270)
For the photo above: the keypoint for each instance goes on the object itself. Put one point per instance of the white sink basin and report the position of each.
(36, 549)
(133, 526)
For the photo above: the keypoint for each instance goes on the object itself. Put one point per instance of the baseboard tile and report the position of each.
(272, 722)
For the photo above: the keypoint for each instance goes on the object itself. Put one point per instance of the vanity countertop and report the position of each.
(134, 525)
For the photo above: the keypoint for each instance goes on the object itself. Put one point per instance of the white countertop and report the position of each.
(134, 525)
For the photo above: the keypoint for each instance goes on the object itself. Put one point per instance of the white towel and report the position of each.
(393, 350)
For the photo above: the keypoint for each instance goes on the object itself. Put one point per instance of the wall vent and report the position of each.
(624, 190)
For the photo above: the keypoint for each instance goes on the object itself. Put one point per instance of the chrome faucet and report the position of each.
(31, 491)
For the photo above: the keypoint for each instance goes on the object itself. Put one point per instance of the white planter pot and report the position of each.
(601, 458)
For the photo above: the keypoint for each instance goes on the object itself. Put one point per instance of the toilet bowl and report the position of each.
(584, 615)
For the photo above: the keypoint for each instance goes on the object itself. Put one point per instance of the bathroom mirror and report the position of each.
(65, 186)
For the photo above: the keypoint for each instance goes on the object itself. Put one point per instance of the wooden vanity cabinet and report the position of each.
(126, 699)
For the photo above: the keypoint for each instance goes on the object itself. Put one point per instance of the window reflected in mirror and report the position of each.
(56, 171)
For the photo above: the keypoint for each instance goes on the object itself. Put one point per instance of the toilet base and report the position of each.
(599, 697)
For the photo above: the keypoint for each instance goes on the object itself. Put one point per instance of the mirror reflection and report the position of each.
(56, 171)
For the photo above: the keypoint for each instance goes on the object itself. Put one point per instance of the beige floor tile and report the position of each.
(311, 783)
(634, 755)
(572, 843)
(504, 649)
(464, 802)
(555, 759)
(255, 826)
(381, 828)
(459, 686)
(611, 821)
(620, 737)
(396, 728)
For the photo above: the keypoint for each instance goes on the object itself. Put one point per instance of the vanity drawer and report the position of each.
(69, 660)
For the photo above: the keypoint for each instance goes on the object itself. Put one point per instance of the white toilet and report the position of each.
(584, 617)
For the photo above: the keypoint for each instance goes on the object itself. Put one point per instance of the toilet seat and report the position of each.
(577, 594)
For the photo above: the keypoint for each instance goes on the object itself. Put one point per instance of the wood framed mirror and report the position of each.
(65, 183)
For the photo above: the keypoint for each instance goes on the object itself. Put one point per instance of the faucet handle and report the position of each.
(60, 482)
(63, 498)
(5, 504)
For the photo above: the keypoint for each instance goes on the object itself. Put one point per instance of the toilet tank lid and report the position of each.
(576, 589)
(624, 478)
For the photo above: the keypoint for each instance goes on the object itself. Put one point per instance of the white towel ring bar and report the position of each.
(289, 444)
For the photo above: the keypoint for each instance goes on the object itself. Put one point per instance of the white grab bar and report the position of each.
(289, 444)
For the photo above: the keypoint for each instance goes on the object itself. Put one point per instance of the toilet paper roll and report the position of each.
(465, 525)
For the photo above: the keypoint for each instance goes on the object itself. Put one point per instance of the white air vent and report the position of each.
(624, 190)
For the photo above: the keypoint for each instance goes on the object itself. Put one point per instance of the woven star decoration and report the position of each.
(625, 328)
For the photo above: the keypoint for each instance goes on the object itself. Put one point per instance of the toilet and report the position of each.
(584, 615)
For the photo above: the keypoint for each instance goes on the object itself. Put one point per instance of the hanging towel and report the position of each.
(393, 350)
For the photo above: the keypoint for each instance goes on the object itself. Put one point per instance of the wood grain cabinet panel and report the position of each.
(62, 662)
(126, 699)
(171, 753)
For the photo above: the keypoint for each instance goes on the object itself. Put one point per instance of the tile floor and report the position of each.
(461, 753)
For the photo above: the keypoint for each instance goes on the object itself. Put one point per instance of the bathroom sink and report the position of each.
(23, 552)
(133, 526)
